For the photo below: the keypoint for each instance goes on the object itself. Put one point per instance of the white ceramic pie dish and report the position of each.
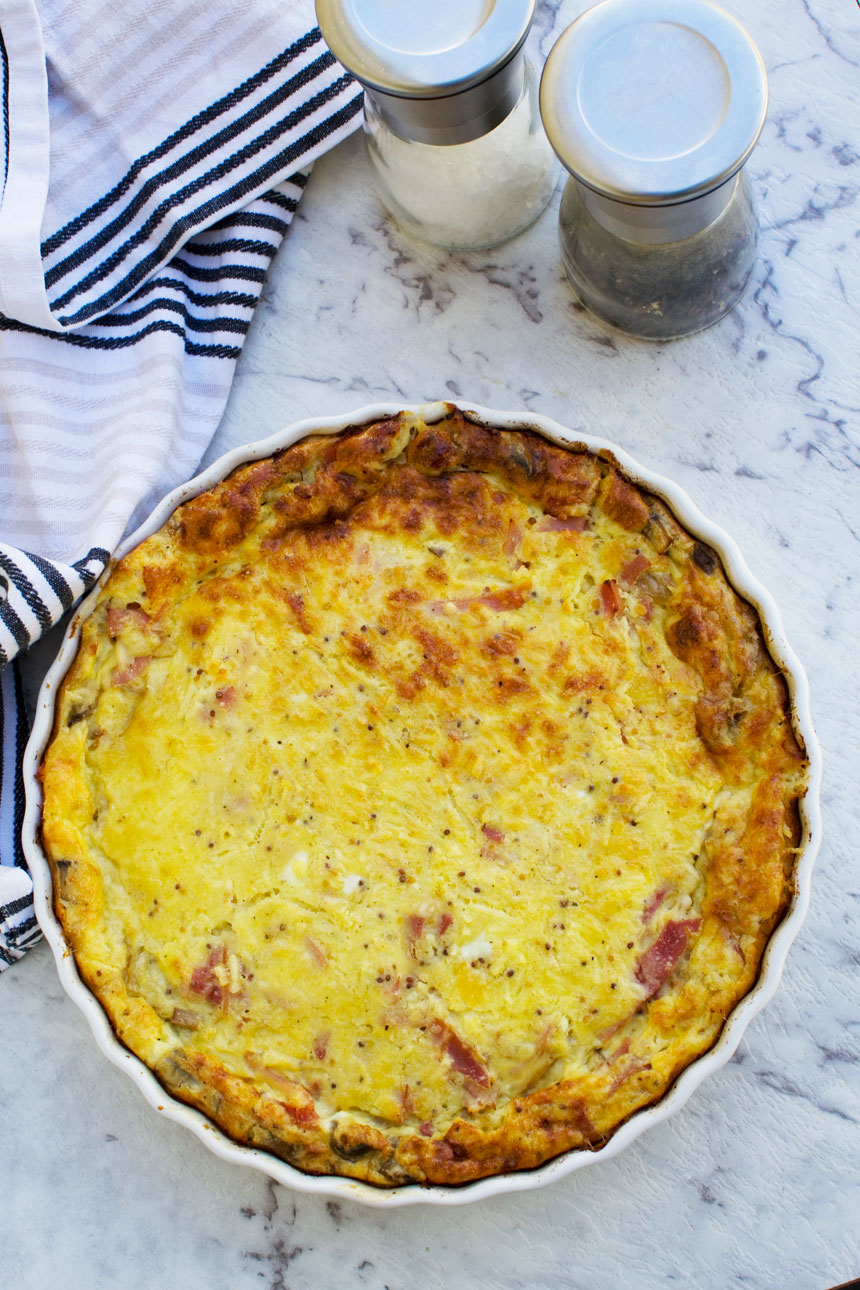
(775, 954)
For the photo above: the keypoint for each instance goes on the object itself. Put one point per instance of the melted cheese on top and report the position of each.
(397, 808)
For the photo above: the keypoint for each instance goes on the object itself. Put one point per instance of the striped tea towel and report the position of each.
(151, 159)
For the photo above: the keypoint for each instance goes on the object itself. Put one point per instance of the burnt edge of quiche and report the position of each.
(457, 481)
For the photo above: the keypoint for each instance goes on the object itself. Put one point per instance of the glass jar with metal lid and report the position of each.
(452, 122)
(654, 106)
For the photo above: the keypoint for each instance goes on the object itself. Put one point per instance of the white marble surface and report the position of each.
(756, 1183)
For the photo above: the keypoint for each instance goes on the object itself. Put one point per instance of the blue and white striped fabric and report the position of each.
(151, 159)
(18, 928)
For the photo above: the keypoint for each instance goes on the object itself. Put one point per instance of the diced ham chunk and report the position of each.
(413, 929)
(606, 1034)
(633, 569)
(732, 941)
(445, 921)
(653, 903)
(296, 602)
(300, 1114)
(498, 601)
(658, 961)
(463, 1058)
(297, 1101)
(132, 615)
(492, 834)
(632, 1068)
(122, 675)
(611, 601)
(205, 980)
(509, 598)
(414, 926)
(576, 524)
(544, 1038)
(620, 1051)
(320, 1045)
(226, 696)
(316, 952)
(513, 539)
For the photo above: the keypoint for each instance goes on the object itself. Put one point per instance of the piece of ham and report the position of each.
(622, 1049)
(611, 601)
(316, 952)
(404, 1097)
(206, 982)
(576, 524)
(731, 940)
(605, 1035)
(492, 834)
(416, 925)
(320, 1045)
(300, 1113)
(632, 1068)
(498, 601)
(512, 540)
(633, 569)
(658, 961)
(413, 928)
(132, 670)
(653, 903)
(132, 615)
(463, 1058)
(299, 1104)
(296, 602)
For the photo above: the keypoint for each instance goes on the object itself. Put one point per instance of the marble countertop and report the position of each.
(756, 1182)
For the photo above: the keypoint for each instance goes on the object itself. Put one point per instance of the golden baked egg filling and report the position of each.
(421, 801)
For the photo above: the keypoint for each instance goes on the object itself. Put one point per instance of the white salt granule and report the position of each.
(472, 194)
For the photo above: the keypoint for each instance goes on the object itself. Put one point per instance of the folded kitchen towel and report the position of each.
(151, 159)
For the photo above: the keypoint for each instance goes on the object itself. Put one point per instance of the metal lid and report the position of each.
(653, 101)
(424, 48)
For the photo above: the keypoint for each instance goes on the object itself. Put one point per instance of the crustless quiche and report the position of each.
(421, 801)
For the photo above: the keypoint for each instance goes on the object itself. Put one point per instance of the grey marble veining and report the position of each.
(756, 1182)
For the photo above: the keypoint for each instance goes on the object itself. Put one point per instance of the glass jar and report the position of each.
(451, 114)
(466, 196)
(656, 289)
(654, 106)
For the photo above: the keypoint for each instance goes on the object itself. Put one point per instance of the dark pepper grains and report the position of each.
(659, 290)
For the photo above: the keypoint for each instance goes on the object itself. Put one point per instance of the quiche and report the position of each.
(421, 800)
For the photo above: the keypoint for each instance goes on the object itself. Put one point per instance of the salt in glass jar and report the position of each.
(452, 121)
